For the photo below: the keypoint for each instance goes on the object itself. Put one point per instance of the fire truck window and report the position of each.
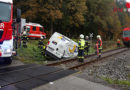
(34, 28)
(5, 11)
(41, 29)
(28, 29)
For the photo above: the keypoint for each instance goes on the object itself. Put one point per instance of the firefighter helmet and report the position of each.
(98, 37)
(24, 33)
(87, 37)
(41, 37)
(81, 36)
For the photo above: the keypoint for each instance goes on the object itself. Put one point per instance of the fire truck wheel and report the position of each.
(8, 60)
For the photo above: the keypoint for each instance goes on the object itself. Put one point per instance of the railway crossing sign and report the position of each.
(91, 35)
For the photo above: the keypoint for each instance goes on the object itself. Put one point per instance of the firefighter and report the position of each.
(24, 39)
(81, 46)
(99, 45)
(41, 45)
(87, 45)
(118, 43)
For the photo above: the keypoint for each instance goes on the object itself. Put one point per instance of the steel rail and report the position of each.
(81, 65)
(75, 59)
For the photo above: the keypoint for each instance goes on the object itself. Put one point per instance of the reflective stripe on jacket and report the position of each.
(99, 42)
(81, 44)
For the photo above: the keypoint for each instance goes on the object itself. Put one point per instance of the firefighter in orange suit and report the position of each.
(99, 45)
(118, 43)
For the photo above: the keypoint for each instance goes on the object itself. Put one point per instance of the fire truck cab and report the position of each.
(34, 30)
(6, 30)
(128, 5)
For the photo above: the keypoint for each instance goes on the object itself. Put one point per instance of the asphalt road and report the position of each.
(14, 63)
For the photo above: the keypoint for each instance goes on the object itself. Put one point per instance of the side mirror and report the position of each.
(18, 19)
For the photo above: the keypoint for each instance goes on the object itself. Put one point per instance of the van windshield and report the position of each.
(5, 12)
(126, 34)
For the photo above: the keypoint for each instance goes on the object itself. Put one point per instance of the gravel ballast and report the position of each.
(115, 68)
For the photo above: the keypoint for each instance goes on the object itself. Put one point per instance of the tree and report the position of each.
(102, 19)
(73, 17)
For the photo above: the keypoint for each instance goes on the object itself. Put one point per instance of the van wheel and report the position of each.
(8, 60)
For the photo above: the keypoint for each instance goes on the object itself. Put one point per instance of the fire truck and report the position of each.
(128, 4)
(34, 30)
(6, 29)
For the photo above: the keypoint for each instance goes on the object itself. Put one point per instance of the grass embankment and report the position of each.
(129, 75)
(119, 82)
(32, 54)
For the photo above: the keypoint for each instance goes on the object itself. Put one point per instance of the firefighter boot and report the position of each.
(99, 56)
(81, 60)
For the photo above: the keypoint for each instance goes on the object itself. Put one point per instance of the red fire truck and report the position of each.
(128, 4)
(6, 29)
(34, 30)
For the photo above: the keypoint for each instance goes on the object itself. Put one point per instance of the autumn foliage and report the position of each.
(73, 17)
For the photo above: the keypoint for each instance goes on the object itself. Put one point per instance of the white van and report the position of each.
(60, 46)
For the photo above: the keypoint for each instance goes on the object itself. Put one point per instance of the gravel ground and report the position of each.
(116, 68)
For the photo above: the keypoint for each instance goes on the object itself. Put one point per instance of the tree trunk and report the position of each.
(51, 27)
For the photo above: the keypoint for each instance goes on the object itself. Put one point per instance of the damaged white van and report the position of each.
(60, 46)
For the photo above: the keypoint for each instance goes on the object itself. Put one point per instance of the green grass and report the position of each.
(129, 75)
(31, 54)
(119, 82)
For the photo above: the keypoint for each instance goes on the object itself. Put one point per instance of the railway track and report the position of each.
(27, 77)
(74, 64)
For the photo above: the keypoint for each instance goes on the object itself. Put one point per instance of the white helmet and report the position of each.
(87, 37)
(41, 37)
(24, 33)
(98, 37)
(81, 36)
